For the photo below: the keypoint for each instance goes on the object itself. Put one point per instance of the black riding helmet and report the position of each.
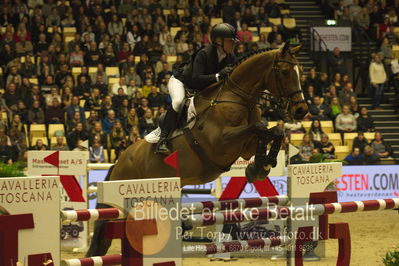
(223, 30)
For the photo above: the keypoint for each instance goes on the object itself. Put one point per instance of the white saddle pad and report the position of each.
(154, 136)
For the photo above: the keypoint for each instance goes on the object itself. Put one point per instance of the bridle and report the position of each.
(252, 99)
(283, 102)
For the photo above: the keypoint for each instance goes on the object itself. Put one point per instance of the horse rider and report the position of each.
(210, 65)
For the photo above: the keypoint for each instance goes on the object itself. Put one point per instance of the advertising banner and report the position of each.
(70, 163)
(29, 220)
(365, 182)
(368, 182)
(340, 37)
(147, 200)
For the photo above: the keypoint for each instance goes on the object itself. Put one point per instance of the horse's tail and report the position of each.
(108, 176)
(99, 244)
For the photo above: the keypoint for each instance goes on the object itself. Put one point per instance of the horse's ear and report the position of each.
(296, 49)
(286, 48)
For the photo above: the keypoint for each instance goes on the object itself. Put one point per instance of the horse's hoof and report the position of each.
(268, 167)
(255, 173)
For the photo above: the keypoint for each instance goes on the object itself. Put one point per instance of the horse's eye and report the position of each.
(285, 72)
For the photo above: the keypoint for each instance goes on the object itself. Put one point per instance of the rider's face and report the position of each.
(228, 45)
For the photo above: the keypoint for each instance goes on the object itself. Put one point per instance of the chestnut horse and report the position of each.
(227, 127)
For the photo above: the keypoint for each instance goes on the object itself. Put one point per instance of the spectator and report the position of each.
(132, 75)
(263, 43)
(117, 134)
(380, 147)
(89, 35)
(244, 32)
(170, 46)
(76, 135)
(121, 148)
(306, 148)
(13, 73)
(273, 9)
(345, 121)
(336, 61)
(54, 113)
(335, 107)
(326, 147)
(108, 122)
(72, 123)
(36, 114)
(28, 68)
(133, 35)
(93, 56)
(355, 157)
(155, 98)
(97, 133)
(115, 26)
(362, 25)
(60, 145)
(75, 107)
(346, 93)
(294, 126)
(11, 97)
(134, 135)
(24, 46)
(147, 123)
(97, 152)
(53, 95)
(312, 80)
(369, 157)
(364, 121)
(354, 106)
(6, 151)
(121, 84)
(76, 57)
(124, 54)
(355, 9)
(118, 98)
(316, 130)
(383, 28)
(331, 93)
(360, 141)
(338, 82)
(66, 97)
(319, 110)
(109, 58)
(101, 85)
(386, 50)
(53, 19)
(94, 101)
(378, 78)
(39, 146)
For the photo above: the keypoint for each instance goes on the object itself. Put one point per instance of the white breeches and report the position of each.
(177, 92)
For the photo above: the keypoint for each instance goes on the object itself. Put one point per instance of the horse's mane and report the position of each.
(247, 55)
(236, 63)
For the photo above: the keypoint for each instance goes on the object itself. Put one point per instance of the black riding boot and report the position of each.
(167, 126)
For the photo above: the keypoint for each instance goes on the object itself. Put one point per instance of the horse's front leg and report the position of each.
(260, 169)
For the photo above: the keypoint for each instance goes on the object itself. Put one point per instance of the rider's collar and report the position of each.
(221, 55)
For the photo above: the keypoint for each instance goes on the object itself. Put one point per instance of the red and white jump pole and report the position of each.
(91, 214)
(94, 261)
(265, 214)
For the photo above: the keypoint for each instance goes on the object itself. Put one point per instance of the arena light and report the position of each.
(331, 22)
